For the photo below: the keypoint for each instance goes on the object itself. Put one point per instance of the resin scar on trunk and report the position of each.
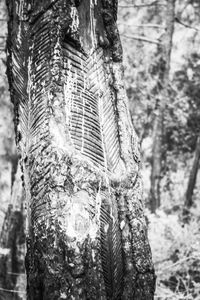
(86, 230)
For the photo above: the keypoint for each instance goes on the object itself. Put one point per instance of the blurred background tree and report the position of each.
(172, 232)
(144, 34)
(12, 214)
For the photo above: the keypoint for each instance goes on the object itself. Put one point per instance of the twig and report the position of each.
(141, 5)
(161, 261)
(17, 274)
(185, 6)
(141, 38)
(143, 25)
(179, 262)
(185, 25)
(12, 291)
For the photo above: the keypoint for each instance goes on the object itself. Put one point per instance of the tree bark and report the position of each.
(193, 176)
(158, 151)
(86, 234)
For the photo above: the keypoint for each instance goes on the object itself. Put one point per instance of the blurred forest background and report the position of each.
(162, 77)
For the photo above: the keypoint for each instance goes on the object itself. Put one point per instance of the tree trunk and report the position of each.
(86, 234)
(12, 246)
(193, 176)
(158, 151)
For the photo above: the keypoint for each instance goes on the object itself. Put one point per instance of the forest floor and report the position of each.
(176, 254)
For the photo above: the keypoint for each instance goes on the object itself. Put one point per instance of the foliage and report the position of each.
(183, 118)
(176, 253)
(175, 245)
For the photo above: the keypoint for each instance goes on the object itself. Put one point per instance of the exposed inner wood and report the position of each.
(86, 235)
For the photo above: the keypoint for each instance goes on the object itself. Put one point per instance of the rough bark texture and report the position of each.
(164, 54)
(193, 176)
(86, 235)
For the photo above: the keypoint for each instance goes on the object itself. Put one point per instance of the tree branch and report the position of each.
(185, 25)
(180, 261)
(141, 38)
(185, 6)
(143, 25)
(12, 291)
(141, 5)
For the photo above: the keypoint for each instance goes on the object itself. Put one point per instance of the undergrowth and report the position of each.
(175, 248)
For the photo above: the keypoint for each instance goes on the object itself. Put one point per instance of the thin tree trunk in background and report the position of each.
(86, 235)
(164, 54)
(193, 176)
(12, 245)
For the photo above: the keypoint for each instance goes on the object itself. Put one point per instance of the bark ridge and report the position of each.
(86, 235)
